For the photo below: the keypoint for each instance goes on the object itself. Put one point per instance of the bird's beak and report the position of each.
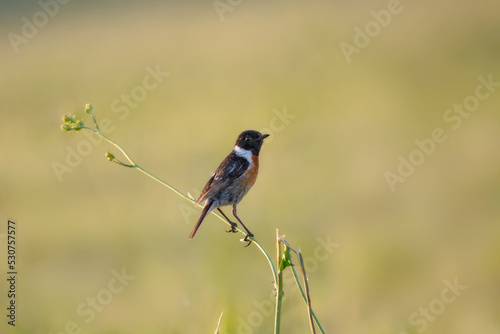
(264, 136)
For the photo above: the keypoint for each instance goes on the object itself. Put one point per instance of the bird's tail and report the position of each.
(206, 210)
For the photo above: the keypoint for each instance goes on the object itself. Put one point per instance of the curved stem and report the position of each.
(305, 296)
(277, 277)
(157, 179)
(271, 264)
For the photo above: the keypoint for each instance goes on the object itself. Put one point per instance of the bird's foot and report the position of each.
(247, 238)
(233, 228)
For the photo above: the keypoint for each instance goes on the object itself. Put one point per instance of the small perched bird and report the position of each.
(233, 179)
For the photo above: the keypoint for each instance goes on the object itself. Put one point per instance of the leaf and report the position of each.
(286, 260)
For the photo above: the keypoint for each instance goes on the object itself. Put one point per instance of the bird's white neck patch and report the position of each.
(241, 152)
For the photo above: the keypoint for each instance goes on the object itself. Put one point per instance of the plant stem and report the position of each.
(217, 330)
(279, 278)
(157, 179)
(134, 165)
(309, 308)
(305, 297)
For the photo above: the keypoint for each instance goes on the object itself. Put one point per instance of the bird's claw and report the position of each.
(233, 228)
(247, 238)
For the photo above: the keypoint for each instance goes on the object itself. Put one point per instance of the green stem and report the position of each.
(304, 297)
(306, 284)
(134, 165)
(271, 264)
(157, 179)
(279, 290)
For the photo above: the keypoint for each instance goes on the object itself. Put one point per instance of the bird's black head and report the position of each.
(251, 140)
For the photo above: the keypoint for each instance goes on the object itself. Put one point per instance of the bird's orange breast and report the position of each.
(253, 171)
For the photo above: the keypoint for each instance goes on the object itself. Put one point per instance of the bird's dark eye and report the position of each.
(247, 139)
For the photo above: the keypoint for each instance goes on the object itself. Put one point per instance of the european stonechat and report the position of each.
(233, 179)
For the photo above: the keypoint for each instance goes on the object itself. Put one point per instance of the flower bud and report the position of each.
(68, 119)
(66, 127)
(88, 108)
(110, 156)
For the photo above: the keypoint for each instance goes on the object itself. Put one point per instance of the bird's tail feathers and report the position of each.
(206, 210)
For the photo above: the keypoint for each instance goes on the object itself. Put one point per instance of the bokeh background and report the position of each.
(338, 124)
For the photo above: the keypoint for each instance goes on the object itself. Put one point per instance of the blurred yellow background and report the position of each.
(346, 91)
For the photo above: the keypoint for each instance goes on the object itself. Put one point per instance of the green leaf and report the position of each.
(286, 260)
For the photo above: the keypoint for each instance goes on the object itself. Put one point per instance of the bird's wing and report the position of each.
(230, 170)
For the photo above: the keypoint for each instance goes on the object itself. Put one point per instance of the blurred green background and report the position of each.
(337, 125)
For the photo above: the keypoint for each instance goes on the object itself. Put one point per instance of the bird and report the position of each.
(232, 180)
